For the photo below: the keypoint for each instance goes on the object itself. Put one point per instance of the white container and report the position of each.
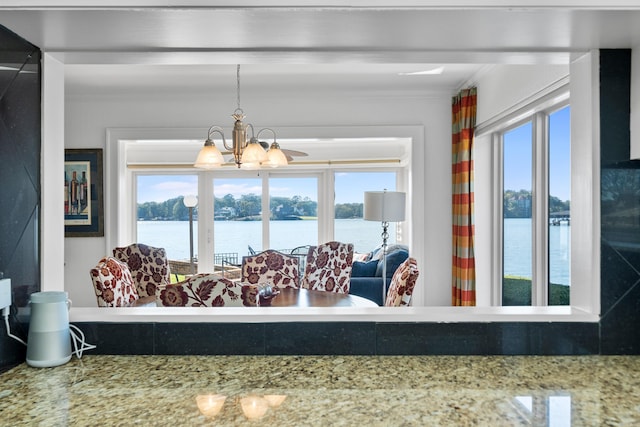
(49, 341)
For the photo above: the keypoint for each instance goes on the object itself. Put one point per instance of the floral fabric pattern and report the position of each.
(113, 283)
(272, 267)
(328, 267)
(402, 284)
(148, 265)
(207, 290)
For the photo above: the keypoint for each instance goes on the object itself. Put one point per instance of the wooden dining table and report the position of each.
(290, 297)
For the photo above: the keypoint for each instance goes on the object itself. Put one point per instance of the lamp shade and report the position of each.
(275, 157)
(254, 153)
(209, 157)
(384, 206)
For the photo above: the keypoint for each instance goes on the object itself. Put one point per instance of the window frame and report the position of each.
(206, 236)
(537, 111)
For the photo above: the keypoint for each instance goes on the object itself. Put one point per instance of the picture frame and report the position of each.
(83, 194)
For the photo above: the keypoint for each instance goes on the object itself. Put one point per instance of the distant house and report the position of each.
(225, 213)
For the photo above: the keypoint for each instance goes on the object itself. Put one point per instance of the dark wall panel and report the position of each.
(20, 141)
(620, 210)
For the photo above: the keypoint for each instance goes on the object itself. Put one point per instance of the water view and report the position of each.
(517, 250)
(237, 236)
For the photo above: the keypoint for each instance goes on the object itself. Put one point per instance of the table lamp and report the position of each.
(385, 206)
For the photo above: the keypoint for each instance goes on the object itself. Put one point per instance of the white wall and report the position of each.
(87, 118)
(52, 167)
(503, 87)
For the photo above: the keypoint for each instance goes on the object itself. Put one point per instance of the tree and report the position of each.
(348, 210)
(517, 204)
(249, 205)
(308, 207)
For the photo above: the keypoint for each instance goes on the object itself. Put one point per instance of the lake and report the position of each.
(237, 236)
(517, 253)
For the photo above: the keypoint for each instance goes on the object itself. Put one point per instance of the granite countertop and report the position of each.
(326, 391)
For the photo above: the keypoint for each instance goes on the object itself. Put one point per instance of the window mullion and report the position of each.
(266, 211)
(498, 217)
(540, 217)
(205, 222)
(326, 208)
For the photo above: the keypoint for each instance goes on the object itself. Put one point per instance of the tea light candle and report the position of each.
(254, 407)
(210, 404)
(275, 400)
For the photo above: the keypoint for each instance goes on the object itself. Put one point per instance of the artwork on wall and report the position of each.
(83, 199)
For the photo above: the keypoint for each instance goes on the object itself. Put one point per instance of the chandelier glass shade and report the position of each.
(247, 153)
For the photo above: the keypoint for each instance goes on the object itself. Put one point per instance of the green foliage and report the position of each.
(517, 204)
(348, 210)
(248, 206)
(228, 207)
(517, 291)
(167, 210)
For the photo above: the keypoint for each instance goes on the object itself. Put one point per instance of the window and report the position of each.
(535, 177)
(246, 212)
(349, 226)
(237, 218)
(293, 202)
(517, 227)
(162, 217)
(301, 195)
(559, 207)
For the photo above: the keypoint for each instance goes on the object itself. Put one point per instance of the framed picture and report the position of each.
(83, 199)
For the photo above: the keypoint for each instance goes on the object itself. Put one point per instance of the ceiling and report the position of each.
(186, 44)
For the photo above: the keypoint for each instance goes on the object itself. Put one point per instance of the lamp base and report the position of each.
(385, 237)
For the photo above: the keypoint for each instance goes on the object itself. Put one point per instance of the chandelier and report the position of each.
(249, 153)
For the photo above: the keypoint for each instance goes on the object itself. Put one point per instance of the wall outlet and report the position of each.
(5, 293)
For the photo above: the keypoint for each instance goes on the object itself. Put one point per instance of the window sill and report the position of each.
(344, 314)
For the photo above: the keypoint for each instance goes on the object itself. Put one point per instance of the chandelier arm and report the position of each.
(253, 134)
(224, 142)
(219, 130)
(269, 129)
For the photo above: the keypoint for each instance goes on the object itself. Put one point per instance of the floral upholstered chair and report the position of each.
(328, 267)
(113, 283)
(402, 284)
(272, 267)
(148, 265)
(207, 290)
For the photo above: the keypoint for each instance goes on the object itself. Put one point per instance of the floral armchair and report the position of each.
(207, 290)
(402, 284)
(148, 265)
(113, 284)
(272, 267)
(328, 267)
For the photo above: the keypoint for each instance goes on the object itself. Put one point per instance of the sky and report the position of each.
(517, 156)
(351, 186)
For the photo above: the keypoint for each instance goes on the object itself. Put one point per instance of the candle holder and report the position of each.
(265, 294)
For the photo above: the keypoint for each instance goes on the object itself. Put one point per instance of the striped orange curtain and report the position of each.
(463, 262)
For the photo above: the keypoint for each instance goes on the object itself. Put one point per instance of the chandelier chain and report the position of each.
(238, 85)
